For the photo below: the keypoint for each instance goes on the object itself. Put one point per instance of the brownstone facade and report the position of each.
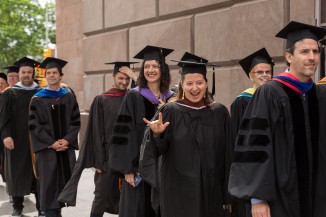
(92, 32)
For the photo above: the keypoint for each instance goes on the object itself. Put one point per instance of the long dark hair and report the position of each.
(208, 98)
(164, 81)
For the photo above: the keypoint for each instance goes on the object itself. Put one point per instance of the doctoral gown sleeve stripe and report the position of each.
(253, 148)
(124, 151)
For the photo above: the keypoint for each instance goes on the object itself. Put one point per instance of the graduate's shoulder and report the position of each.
(271, 85)
(241, 99)
(105, 99)
(321, 88)
(218, 107)
(133, 97)
(133, 93)
(321, 93)
(8, 91)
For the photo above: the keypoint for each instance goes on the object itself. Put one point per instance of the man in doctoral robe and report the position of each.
(14, 104)
(95, 150)
(276, 161)
(54, 123)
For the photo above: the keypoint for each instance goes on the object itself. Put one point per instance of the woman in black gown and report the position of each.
(192, 136)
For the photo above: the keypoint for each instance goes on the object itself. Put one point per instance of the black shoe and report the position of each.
(41, 213)
(17, 212)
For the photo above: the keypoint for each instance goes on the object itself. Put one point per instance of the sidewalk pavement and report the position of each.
(84, 200)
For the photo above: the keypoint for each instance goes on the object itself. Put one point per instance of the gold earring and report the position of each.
(204, 95)
(183, 95)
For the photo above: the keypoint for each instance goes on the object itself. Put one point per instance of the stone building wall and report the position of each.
(92, 32)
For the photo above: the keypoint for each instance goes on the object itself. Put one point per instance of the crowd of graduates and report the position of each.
(158, 152)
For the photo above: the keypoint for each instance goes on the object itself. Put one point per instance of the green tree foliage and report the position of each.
(22, 30)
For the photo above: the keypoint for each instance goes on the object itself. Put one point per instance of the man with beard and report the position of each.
(14, 105)
(54, 123)
(95, 150)
(276, 159)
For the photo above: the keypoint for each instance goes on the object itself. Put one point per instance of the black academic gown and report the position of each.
(51, 119)
(95, 153)
(237, 110)
(320, 201)
(14, 106)
(240, 208)
(276, 150)
(124, 153)
(195, 160)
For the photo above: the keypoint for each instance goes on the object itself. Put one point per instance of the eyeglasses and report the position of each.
(12, 76)
(261, 72)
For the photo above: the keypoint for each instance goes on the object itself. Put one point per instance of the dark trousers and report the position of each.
(18, 202)
(106, 194)
(53, 213)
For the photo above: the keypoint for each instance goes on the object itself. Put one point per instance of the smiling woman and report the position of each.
(142, 101)
(193, 143)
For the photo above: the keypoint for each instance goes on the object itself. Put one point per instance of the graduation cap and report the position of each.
(260, 56)
(3, 76)
(191, 63)
(25, 61)
(119, 64)
(153, 53)
(295, 31)
(12, 69)
(51, 62)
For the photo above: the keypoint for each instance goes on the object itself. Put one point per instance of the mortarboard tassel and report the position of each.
(213, 80)
(162, 61)
(133, 83)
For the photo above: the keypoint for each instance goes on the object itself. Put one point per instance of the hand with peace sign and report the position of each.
(157, 126)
